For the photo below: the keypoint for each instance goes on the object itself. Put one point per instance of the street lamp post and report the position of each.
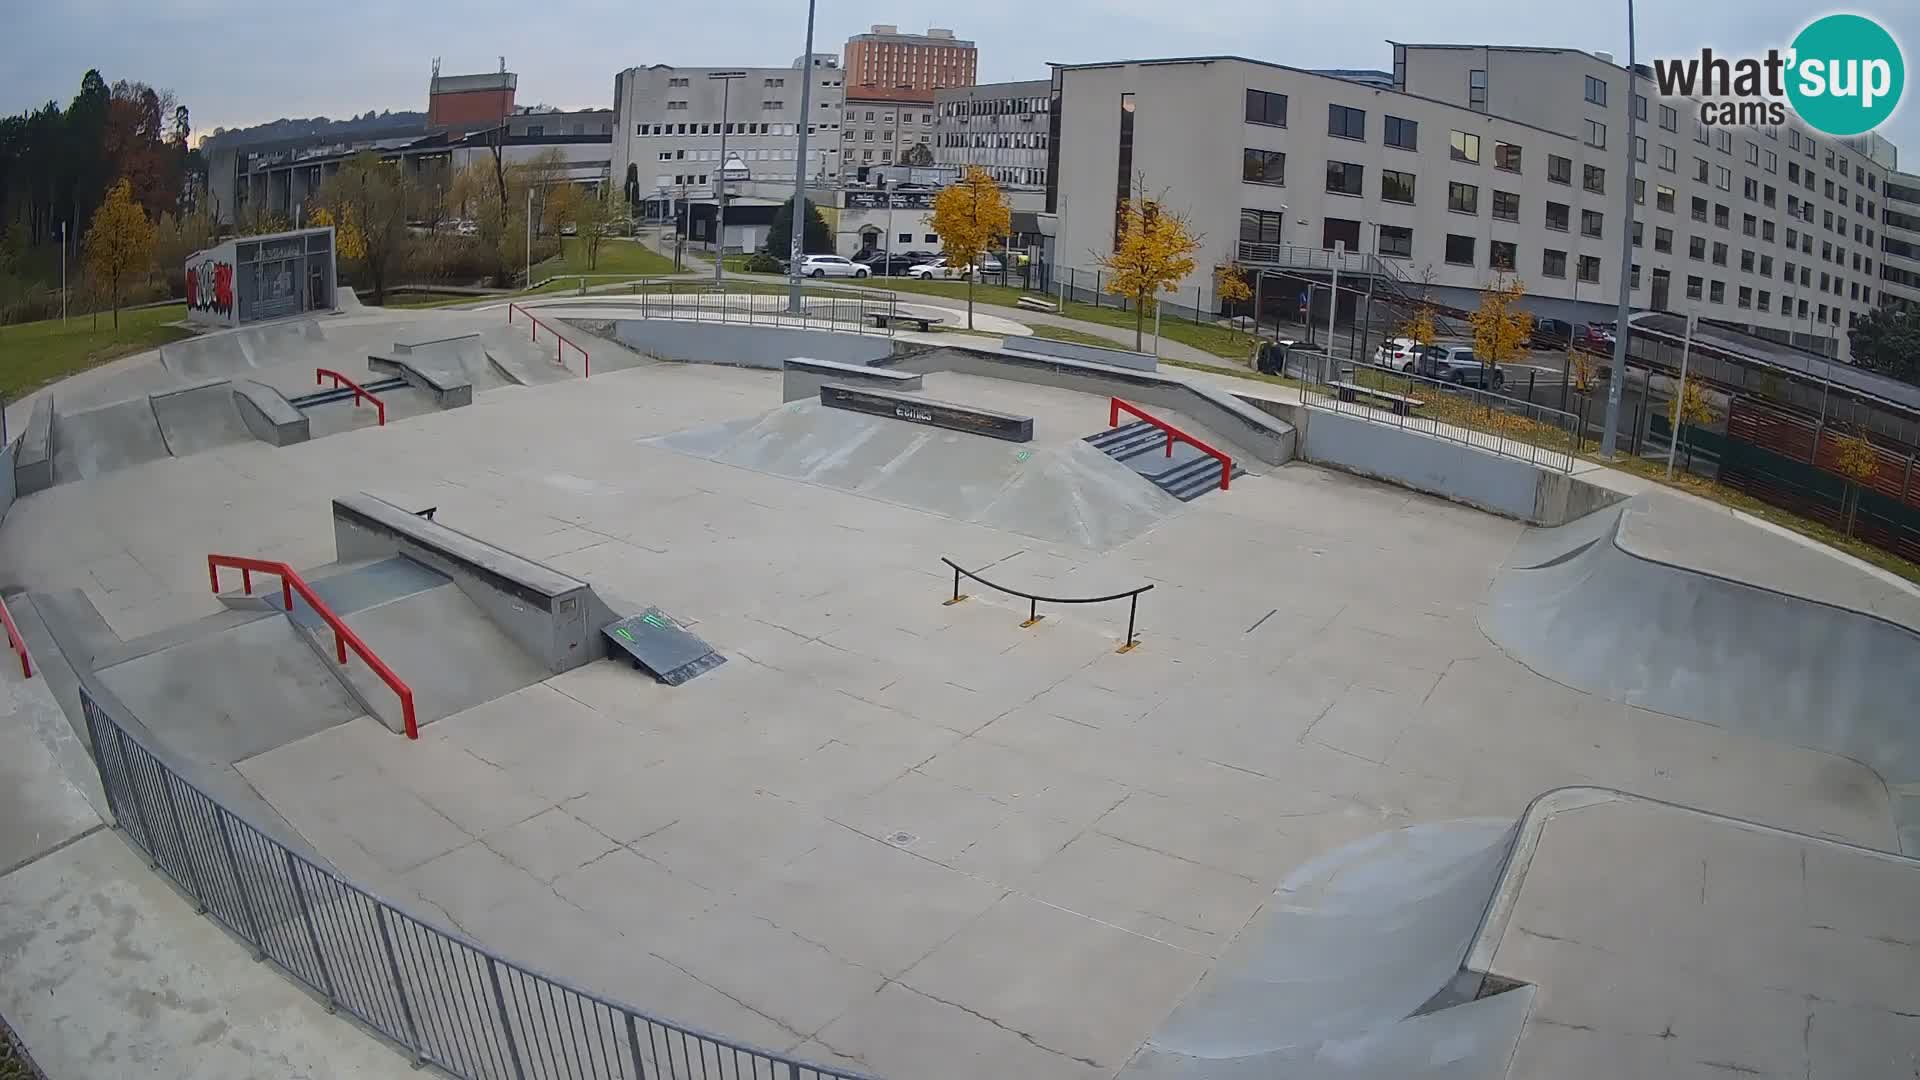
(529, 235)
(794, 250)
(725, 78)
(1620, 328)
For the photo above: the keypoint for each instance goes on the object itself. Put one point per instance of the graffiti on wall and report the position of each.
(210, 287)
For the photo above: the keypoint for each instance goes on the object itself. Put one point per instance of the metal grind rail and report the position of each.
(560, 351)
(343, 635)
(321, 375)
(445, 999)
(15, 641)
(1115, 407)
(1034, 600)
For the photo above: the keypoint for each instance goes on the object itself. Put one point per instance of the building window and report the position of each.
(1261, 226)
(1559, 169)
(1723, 140)
(1463, 198)
(1594, 179)
(1506, 206)
(1345, 123)
(1717, 292)
(1477, 93)
(1633, 277)
(1750, 189)
(1695, 285)
(1459, 249)
(1663, 198)
(1123, 189)
(1506, 157)
(1502, 254)
(1265, 108)
(1590, 268)
(1765, 301)
(1768, 195)
(1723, 178)
(1722, 216)
(1719, 253)
(1557, 216)
(1404, 134)
(1596, 134)
(1697, 248)
(1766, 266)
(1746, 261)
(1465, 147)
(1753, 158)
(1699, 209)
(1668, 159)
(1396, 186)
(1591, 222)
(1701, 170)
(1263, 167)
(1639, 192)
(1396, 240)
(1596, 91)
(1669, 118)
(1749, 225)
(1553, 263)
(1639, 149)
(1663, 240)
(1773, 162)
(1345, 178)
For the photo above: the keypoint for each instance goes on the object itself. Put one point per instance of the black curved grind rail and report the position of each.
(1131, 596)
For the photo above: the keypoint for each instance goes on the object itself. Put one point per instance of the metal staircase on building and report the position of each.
(1391, 284)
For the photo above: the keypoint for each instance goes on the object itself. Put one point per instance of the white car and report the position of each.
(1395, 353)
(830, 266)
(931, 271)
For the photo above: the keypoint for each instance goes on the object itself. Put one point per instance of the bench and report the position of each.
(1400, 403)
(1034, 303)
(883, 319)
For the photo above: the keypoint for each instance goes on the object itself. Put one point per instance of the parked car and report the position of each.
(881, 264)
(1597, 337)
(821, 266)
(1396, 353)
(1457, 364)
(1550, 334)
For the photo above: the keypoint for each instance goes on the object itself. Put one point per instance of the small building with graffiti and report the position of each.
(250, 278)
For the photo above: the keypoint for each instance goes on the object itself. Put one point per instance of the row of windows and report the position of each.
(996, 106)
(776, 154)
(887, 118)
(986, 140)
(714, 129)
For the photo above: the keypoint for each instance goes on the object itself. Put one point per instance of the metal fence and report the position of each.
(1486, 420)
(861, 311)
(446, 1000)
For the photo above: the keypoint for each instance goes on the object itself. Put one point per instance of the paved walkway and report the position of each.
(107, 971)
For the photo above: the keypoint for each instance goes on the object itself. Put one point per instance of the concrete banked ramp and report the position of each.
(1660, 605)
(1348, 971)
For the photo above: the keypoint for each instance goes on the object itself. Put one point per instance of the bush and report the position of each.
(762, 263)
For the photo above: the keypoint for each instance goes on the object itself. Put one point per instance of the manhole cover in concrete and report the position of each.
(902, 839)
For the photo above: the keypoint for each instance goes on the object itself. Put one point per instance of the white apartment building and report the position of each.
(667, 128)
(881, 125)
(1489, 159)
(1900, 239)
(1001, 127)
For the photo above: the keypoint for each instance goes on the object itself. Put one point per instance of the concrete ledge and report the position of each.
(1073, 350)
(405, 348)
(33, 458)
(449, 391)
(268, 414)
(745, 345)
(551, 615)
(1260, 435)
(804, 376)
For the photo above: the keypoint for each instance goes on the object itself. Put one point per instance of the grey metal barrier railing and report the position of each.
(1486, 420)
(448, 1001)
(857, 310)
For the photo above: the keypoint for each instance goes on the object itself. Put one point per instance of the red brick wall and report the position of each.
(470, 107)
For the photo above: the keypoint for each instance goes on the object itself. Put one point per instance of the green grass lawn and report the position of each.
(429, 299)
(1218, 340)
(37, 353)
(616, 256)
(1078, 337)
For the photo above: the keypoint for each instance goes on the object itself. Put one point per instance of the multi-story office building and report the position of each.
(1001, 127)
(1483, 160)
(1900, 240)
(667, 126)
(881, 124)
(886, 57)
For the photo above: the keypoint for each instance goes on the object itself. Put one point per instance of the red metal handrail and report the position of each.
(320, 375)
(1116, 406)
(16, 642)
(560, 353)
(343, 635)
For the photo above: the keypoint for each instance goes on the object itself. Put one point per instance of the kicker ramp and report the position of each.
(1579, 606)
(554, 617)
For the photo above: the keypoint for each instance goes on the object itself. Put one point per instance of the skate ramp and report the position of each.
(106, 439)
(1582, 609)
(1345, 972)
(1067, 493)
(456, 359)
(227, 352)
(197, 418)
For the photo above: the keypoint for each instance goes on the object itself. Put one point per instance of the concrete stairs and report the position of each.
(1187, 474)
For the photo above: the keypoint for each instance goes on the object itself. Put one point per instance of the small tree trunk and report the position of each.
(970, 300)
(1139, 323)
(116, 305)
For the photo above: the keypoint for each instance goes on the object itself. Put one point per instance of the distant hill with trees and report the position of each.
(369, 125)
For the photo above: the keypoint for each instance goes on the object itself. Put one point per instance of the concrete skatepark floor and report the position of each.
(916, 839)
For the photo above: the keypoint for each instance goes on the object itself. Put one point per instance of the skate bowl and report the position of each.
(1625, 605)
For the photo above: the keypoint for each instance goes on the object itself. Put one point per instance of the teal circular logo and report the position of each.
(1846, 74)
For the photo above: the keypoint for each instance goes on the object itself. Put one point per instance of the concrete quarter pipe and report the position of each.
(1585, 606)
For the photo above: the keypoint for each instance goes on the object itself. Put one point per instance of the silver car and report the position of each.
(830, 266)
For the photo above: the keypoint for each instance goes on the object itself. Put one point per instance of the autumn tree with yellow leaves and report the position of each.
(1230, 284)
(969, 216)
(1855, 458)
(119, 243)
(1500, 325)
(1152, 255)
(1688, 406)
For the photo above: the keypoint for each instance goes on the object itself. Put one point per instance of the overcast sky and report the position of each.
(240, 62)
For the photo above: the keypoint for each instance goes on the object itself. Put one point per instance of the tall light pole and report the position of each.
(725, 78)
(530, 236)
(63, 271)
(1620, 328)
(794, 251)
